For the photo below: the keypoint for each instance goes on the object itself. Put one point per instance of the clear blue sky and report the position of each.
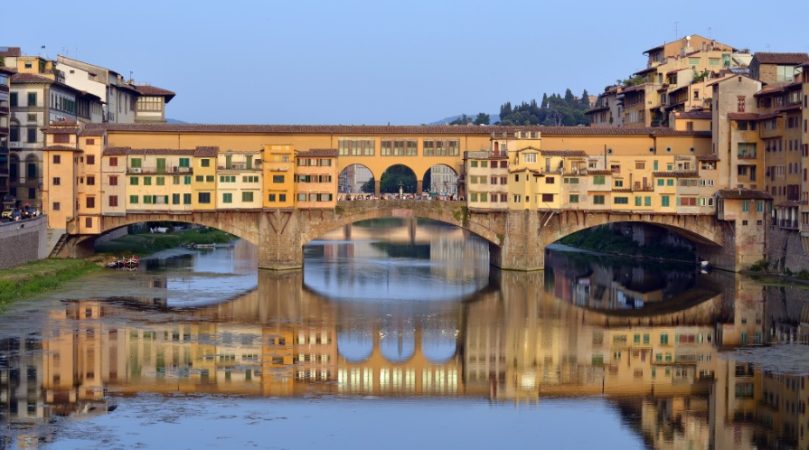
(374, 62)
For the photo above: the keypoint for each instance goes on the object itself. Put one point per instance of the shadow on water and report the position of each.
(650, 348)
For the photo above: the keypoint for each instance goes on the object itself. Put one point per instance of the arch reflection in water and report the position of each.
(515, 341)
(397, 259)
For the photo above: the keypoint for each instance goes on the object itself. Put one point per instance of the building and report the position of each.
(775, 68)
(5, 114)
(118, 96)
(151, 103)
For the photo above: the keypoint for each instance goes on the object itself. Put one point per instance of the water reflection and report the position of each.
(519, 338)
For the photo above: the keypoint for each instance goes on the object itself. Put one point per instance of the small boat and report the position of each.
(124, 263)
(204, 245)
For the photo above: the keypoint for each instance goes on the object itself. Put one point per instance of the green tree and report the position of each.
(482, 119)
(368, 186)
(585, 99)
(395, 177)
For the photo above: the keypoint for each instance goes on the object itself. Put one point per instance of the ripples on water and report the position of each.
(398, 335)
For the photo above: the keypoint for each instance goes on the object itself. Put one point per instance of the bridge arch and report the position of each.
(240, 224)
(354, 178)
(449, 212)
(396, 176)
(440, 179)
(355, 344)
(702, 230)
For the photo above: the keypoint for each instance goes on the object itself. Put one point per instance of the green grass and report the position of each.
(146, 243)
(18, 283)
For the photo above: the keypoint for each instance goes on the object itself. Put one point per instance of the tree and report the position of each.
(368, 187)
(463, 120)
(395, 177)
(569, 97)
(585, 99)
(544, 103)
(482, 119)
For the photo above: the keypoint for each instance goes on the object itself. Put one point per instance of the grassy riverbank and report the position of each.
(17, 283)
(604, 240)
(146, 243)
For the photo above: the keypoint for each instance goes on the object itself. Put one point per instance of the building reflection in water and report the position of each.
(519, 339)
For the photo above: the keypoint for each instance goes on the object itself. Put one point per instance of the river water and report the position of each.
(398, 334)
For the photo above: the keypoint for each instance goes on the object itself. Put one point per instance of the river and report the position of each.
(398, 334)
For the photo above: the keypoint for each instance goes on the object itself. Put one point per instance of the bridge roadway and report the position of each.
(517, 239)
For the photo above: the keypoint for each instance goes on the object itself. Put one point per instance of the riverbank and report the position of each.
(148, 243)
(761, 272)
(21, 282)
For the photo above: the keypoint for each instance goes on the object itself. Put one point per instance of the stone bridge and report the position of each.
(517, 239)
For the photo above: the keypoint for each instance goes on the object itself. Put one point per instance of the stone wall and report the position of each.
(21, 242)
(784, 250)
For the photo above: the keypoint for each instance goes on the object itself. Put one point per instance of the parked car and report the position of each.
(7, 214)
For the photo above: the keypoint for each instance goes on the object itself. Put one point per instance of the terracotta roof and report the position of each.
(120, 151)
(87, 132)
(10, 51)
(154, 91)
(21, 78)
(61, 148)
(743, 194)
(318, 153)
(707, 158)
(389, 129)
(691, 174)
(777, 88)
(781, 58)
(695, 115)
(742, 116)
(563, 153)
(206, 152)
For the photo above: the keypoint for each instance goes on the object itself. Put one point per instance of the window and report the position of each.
(13, 99)
(113, 200)
(205, 162)
(664, 339)
(31, 134)
(599, 179)
(747, 150)
(161, 181)
(574, 198)
(90, 141)
(598, 199)
(113, 180)
(88, 222)
(473, 163)
(184, 162)
(282, 197)
(133, 181)
(204, 197)
(449, 147)
(91, 180)
(175, 199)
(57, 181)
(664, 200)
(113, 161)
(670, 182)
(59, 138)
(740, 102)
(530, 157)
(547, 198)
(550, 180)
(760, 206)
(277, 179)
(32, 99)
(91, 159)
(133, 199)
(57, 206)
(209, 178)
(399, 148)
(247, 197)
(356, 147)
(638, 200)
(187, 179)
(621, 200)
(227, 197)
(135, 163)
(271, 197)
(745, 205)
(647, 201)
(186, 199)
(147, 181)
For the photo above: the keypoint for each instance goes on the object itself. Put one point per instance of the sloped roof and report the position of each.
(781, 58)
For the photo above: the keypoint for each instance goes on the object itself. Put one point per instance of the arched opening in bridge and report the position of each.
(440, 180)
(397, 179)
(355, 179)
(630, 266)
(355, 345)
(396, 259)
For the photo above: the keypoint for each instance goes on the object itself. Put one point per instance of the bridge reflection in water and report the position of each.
(519, 339)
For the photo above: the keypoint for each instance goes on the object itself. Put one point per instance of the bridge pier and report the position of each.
(522, 247)
(280, 244)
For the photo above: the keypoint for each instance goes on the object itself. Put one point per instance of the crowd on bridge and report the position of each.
(405, 196)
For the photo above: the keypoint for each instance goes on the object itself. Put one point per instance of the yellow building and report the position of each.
(239, 180)
(204, 185)
(315, 175)
(279, 173)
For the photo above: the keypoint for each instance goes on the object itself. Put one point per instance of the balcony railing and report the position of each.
(173, 170)
(240, 166)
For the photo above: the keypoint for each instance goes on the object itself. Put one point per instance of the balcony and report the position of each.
(173, 170)
(242, 167)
